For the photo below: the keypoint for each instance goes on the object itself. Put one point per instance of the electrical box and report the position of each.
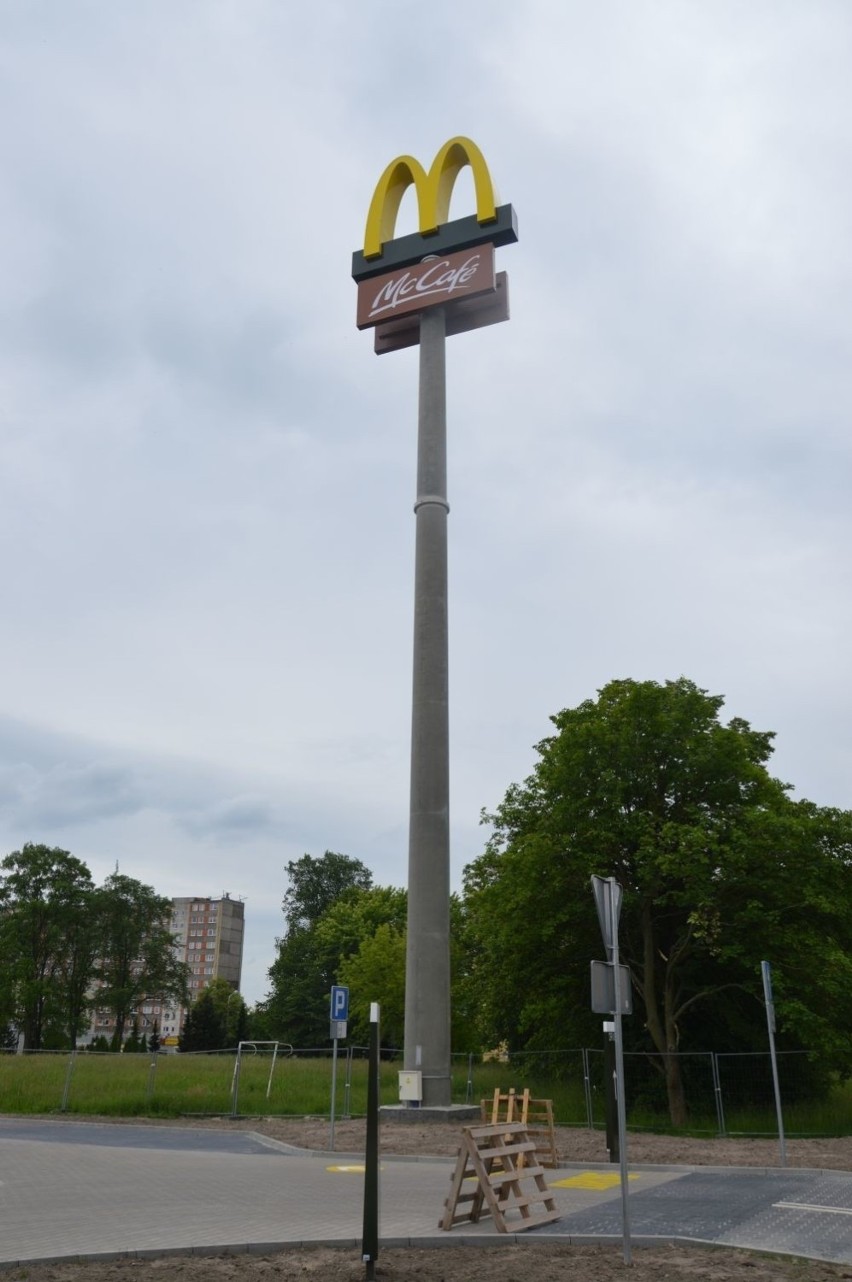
(411, 1087)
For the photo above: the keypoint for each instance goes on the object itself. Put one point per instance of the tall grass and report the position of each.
(300, 1085)
(180, 1085)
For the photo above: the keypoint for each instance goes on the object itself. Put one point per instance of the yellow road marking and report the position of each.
(591, 1180)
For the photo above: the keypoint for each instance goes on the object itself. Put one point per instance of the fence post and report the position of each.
(717, 1092)
(347, 1086)
(66, 1090)
(152, 1073)
(235, 1085)
(587, 1089)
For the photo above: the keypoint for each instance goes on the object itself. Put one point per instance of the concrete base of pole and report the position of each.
(458, 1114)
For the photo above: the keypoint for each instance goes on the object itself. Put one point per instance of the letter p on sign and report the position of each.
(339, 1002)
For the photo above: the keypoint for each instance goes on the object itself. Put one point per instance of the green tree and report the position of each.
(315, 884)
(134, 1043)
(204, 1028)
(373, 926)
(136, 949)
(296, 1008)
(154, 1038)
(45, 910)
(376, 972)
(717, 864)
(231, 1010)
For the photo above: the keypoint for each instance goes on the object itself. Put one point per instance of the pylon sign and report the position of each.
(446, 262)
(418, 290)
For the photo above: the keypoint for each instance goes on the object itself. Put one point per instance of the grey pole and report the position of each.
(766, 972)
(427, 970)
(619, 1078)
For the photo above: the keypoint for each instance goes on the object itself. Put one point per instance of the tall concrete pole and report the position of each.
(427, 972)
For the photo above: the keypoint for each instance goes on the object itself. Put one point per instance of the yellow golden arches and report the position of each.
(433, 189)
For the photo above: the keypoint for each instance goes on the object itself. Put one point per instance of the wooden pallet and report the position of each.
(535, 1114)
(509, 1181)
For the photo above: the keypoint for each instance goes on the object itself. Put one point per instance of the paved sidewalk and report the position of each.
(70, 1189)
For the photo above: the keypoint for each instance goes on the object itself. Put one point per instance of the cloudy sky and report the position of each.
(207, 477)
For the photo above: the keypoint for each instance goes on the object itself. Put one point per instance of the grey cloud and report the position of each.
(67, 795)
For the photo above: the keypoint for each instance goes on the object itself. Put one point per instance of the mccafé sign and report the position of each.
(447, 263)
(425, 284)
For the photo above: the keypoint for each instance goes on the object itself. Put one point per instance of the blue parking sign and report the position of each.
(339, 1001)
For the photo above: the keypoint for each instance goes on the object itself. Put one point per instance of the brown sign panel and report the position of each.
(435, 280)
(463, 315)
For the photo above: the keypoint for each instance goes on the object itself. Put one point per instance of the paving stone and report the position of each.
(94, 1189)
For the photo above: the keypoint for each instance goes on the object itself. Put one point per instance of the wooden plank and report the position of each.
(524, 1172)
(508, 1150)
(536, 1115)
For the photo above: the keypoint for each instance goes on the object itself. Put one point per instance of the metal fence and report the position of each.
(726, 1094)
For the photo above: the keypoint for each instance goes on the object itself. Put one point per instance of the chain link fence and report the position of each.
(725, 1093)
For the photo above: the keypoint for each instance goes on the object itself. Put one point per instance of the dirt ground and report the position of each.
(533, 1262)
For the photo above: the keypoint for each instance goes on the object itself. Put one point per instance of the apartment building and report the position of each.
(209, 939)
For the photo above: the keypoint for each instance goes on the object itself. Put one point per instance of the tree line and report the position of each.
(68, 946)
(721, 868)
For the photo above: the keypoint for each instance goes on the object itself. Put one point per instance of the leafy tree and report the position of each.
(352, 919)
(204, 1028)
(295, 1009)
(315, 884)
(342, 929)
(136, 957)
(78, 958)
(44, 901)
(376, 972)
(231, 1010)
(718, 866)
(134, 1043)
(302, 973)
(258, 1026)
(154, 1038)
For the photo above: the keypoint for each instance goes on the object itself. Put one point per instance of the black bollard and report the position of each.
(370, 1236)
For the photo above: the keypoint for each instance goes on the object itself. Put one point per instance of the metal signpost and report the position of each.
(766, 972)
(608, 896)
(418, 289)
(339, 1014)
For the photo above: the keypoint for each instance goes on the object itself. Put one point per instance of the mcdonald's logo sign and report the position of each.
(433, 192)
(491, 223)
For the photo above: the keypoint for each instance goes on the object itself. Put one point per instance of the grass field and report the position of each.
(300, 1085)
